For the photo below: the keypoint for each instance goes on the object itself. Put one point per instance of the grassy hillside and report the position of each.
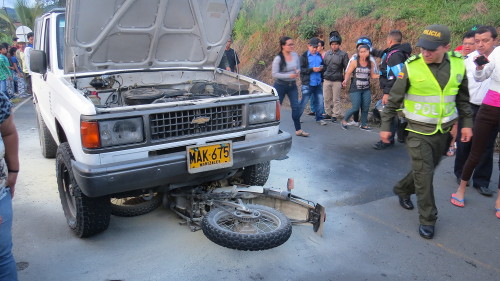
(262, 22)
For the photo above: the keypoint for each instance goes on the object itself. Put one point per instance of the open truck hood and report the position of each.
(145, 34)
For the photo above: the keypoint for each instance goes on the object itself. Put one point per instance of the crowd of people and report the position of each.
(430, 100)
(15, 80)
(335, 70)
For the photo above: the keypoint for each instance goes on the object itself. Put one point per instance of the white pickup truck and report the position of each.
(130, 102)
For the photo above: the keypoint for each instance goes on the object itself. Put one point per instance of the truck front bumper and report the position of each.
(171, 169)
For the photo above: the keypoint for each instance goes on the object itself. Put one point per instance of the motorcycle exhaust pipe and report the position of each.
(278, 193)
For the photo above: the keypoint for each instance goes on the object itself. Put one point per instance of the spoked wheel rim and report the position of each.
(264, 222)
(260, 229)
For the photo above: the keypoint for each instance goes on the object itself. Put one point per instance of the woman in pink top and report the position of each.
(487, 121)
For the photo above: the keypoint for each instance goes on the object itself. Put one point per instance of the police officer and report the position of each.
(433, 88)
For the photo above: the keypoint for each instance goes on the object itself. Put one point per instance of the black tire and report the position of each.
(85, 216)
(134, 206)
(257, 174)
(47, 143)
(219, 226)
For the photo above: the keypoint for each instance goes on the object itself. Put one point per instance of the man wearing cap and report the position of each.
(433, 88)
(311, 66)
(335, 63)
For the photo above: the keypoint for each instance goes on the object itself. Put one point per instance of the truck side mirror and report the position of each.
(38, 61)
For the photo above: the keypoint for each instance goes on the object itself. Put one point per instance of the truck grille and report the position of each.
(196, 122)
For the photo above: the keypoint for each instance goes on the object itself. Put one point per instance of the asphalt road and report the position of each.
(367, 236)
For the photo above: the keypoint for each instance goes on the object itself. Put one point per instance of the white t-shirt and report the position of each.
(477, 90)
(491, 71)
(26, 65)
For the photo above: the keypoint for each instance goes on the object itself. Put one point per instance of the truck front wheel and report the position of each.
(257, 174)
(85, 216)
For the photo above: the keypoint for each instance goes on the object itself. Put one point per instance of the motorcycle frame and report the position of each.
(297, 209)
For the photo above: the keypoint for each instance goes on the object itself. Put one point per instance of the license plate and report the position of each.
(202, 158)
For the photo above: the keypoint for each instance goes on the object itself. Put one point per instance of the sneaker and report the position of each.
(353, 123)
(382, 145)
(365, 128)
(326, 116)
(321, 122)
(334, 119)
(344, 126)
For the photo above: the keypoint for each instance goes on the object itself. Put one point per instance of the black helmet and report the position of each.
(335, 37)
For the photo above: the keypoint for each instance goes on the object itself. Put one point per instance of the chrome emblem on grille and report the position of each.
(200, 120)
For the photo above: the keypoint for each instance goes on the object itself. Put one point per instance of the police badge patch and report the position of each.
(459, 78)
(401, 75)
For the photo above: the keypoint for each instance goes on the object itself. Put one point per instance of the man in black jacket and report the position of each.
(335, 62)
(392, 61)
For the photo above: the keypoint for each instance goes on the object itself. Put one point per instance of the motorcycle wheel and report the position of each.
(267, 229)
(135, 206)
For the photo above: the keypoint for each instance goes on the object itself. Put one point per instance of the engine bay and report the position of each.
(106, 91)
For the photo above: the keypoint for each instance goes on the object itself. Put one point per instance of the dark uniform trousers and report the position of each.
(425, 152)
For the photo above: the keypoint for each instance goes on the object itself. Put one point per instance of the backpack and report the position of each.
(405, 55)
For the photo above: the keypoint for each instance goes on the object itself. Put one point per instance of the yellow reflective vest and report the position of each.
(425, 101)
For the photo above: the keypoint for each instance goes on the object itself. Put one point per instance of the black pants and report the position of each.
(487, 122)
(426, 152)
(483, 170)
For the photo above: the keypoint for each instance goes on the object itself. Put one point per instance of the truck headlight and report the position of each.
(263, 112)
(121, 131)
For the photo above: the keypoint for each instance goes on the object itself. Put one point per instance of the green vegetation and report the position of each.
(310, 16)
(308, 28)
(25, 14)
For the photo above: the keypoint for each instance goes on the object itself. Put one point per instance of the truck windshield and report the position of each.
(60, 26)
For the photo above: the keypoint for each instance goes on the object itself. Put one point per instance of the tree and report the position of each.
(6, 24)
(48, 4)
(27, 15)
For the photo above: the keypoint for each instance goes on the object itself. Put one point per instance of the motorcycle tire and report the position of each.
(270, 230)
(134, 206)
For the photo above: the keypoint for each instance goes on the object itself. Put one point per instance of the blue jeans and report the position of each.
(290, 88)
(317, 93)
(313, 103)
(361, 98)
(8, 269)
(3, 88)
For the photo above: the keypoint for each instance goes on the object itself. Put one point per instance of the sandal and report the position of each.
(451, 150)
(457, 202)
(498, 213)
(301, 133)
